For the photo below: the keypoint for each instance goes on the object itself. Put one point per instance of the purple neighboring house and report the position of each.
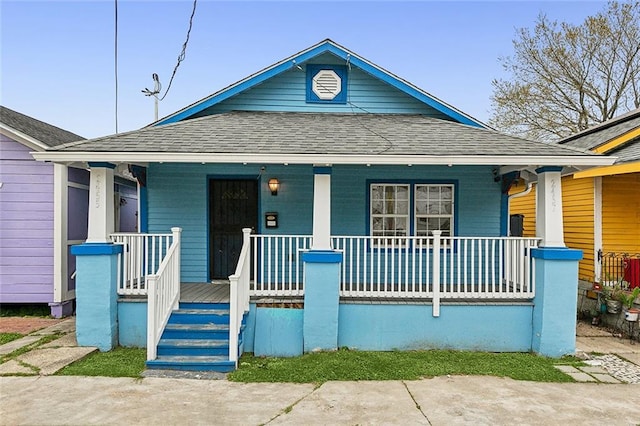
(43, 212)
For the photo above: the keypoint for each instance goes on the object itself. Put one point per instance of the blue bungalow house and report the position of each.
(323, 202)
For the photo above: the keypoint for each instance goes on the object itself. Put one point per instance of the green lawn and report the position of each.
(8, 337)
(119, 362)
(347, 365)
(405, 365)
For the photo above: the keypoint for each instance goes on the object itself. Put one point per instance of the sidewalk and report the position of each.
(456, 400)
(447, 400)
(617, 360)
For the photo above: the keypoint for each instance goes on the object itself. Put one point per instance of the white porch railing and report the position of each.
(141, 256)
(277, 264)
(239, 295)
(404, 267)
(163, 294)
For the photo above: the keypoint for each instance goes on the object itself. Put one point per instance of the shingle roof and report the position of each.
(597, 135)
(320, 133)
(45, 133)
(628, 152)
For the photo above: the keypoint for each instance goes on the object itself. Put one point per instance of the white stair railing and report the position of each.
(141, 256)
(163, 294)
(239, 294)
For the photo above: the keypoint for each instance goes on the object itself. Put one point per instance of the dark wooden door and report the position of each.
(233, 205)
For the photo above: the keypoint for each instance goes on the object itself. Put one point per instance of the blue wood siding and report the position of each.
(477, 195)
(287, 92)
(178, 197)
(26, 228)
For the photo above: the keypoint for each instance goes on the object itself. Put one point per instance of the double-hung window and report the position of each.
(416, 209)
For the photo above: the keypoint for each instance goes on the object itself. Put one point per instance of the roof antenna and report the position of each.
(156, 89)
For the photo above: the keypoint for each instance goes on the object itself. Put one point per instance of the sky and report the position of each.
(57, 60)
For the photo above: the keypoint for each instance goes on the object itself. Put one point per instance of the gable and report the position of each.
(325, 53)
(288, 92)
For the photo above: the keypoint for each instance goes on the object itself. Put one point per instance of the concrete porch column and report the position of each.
(549, 223)
(321, 208)
(556, 272)
(321, 272)
(96, 266)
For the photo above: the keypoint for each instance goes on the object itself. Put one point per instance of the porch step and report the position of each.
(193, 363)
(196, 331)
(193, 347)
(199, 316)
(196, 338)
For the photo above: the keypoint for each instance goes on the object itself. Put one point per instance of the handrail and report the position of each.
(163, 294)
(239, 295)
(141, 256)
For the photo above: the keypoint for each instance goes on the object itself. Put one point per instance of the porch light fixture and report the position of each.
(274, 184)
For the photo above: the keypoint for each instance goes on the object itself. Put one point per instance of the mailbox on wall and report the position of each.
(271, 220)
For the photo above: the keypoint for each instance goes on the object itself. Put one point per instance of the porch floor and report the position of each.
(214, 292)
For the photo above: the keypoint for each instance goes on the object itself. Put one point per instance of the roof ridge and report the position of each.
(603, 125)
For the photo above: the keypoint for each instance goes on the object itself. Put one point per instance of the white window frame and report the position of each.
(412, 217)
(394, 215)
(439, 215)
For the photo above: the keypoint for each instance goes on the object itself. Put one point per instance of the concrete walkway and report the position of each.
(458, 400)
(46, 350)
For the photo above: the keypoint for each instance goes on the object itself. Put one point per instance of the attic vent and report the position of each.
(326, 84)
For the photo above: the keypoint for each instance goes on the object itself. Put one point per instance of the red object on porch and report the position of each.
(632, 272)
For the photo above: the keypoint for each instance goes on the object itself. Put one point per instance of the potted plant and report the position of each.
(627, 300)
(612, 297)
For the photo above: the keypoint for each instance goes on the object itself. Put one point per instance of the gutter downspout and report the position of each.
(509, 198)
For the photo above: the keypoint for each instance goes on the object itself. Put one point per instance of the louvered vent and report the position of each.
(326, 84)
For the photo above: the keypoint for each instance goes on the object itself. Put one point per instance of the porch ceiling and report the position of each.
(321, 138)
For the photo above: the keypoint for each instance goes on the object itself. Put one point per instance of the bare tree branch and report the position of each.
(565, 78)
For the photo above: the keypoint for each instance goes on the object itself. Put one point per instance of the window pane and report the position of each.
(421, 207)
(402, 193)
(376, 207)
(446, 192)
(445, 207)
(376, 192)
(402, 207)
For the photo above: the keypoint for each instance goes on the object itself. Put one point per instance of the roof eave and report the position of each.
(376, 159)
(22, 138)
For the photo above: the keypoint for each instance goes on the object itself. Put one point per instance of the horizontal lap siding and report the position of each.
(525, 205)
(477, 196)
(287, 93)
(26, 228)
(621, 213)
(178, 196)
(577, 206)
(578, 217)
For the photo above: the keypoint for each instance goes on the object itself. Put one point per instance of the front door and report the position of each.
(233, 205)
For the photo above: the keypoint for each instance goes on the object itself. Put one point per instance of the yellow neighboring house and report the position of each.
(601, 205)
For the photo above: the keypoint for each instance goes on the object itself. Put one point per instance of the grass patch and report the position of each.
(119, 362)
(410, 365)
(43, 340)
(8, 337)
(24, 310)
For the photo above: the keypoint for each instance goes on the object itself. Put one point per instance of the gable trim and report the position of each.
(22, 138)
(617, 169)
(293, 62)
(617, 141)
